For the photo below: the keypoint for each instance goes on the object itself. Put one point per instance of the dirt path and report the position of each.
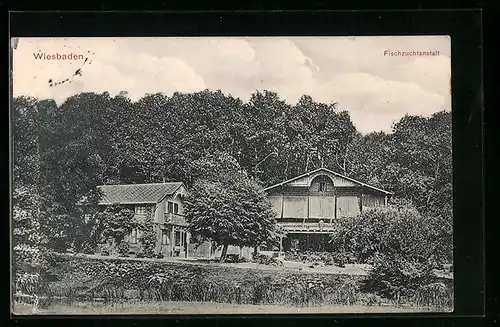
(287, 265)
(349, 269)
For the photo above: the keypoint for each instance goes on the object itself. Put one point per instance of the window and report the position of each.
(322, 186)
(177, 238)
(170, 208)
(164, 237)
(141, 210)
(134, 236)
(176, 208)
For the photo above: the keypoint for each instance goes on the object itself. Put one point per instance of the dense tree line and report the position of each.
(63, 152)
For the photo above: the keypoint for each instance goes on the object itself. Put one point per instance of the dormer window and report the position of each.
(141, 210)
(322, 184)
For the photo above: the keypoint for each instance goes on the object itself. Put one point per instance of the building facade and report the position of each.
(160, 202)
(308, 206)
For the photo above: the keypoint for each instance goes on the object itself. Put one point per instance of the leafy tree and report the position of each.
(29, 254)
(228, 207)
(93, 139)
(148, 236)
(114, 223)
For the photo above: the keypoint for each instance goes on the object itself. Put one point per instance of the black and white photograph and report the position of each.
(231, 175)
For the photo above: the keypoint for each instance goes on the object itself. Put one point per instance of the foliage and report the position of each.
(123, 249)
(228, 207)
(400, 244)
(394, 276)
(26, 232)
(115, 222)
(390, 231)
(65, 151)
(118, 280)
(29, 254)
(414, 161)
(337, 257)
(148, 237)
(88, 248)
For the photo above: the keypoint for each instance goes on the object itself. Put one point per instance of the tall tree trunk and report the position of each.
(224, 253)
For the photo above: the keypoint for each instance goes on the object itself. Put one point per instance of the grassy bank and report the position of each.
(86, 285)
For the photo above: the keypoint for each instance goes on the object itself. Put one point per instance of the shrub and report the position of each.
(435, 294)
(395, 276)
(389, 231)
(266, 260)
(123, 249)
(115, 222)
(116, 279)
(88, 248)
(106, 250)
(148, 237)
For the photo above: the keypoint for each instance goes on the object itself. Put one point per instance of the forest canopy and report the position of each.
(64, 151)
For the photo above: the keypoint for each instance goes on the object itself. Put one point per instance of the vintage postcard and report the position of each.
(216, 175)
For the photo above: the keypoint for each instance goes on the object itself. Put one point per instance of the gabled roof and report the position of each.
(137, 193)
(330, 172)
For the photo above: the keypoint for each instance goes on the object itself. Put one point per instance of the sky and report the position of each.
(358, 73)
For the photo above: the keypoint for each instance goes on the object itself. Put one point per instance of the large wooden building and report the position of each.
(307, 208)
(311, 204)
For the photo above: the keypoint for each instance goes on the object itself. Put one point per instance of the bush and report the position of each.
(106, 250)
(437, 295)
(389, 231)
(148, 238)
(87, 248)
(266, 260)
(123, 249)
(115, 279)
(394, 276)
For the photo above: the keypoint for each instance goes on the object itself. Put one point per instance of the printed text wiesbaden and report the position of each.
(58, 56)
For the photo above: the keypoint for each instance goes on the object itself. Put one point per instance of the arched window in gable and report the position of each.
(321, 183)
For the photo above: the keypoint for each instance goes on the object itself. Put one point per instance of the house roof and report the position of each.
(330, 172)
(136, 193)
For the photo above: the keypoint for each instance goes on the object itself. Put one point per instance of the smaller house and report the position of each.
(164, 204)
(161, 202)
